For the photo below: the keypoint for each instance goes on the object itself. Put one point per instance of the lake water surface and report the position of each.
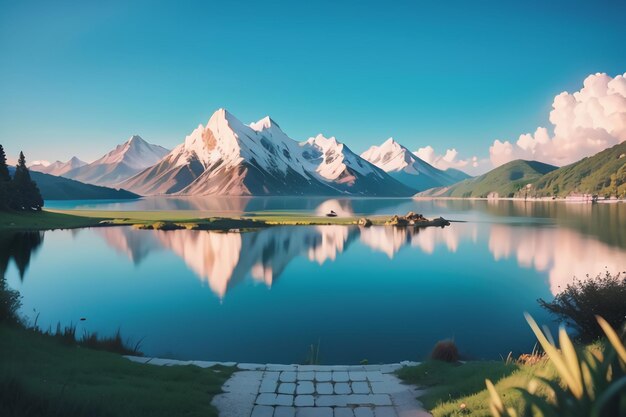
(381, 293)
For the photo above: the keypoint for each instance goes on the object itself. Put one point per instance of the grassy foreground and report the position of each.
(40, 376)
(459, 389)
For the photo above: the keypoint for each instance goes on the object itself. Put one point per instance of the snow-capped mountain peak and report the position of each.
(75, 162)
(218, 140)
(119, 164)
(334, 160)
(57, 168)
(391, 157)
(390, 143)
(324, 142)
(264, 124)
(135, 153)
(42, 163)
(406, 167)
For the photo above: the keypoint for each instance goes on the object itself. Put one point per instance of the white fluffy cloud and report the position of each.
(450, 159)
(585, 123)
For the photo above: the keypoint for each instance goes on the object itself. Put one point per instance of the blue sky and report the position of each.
(77, 78)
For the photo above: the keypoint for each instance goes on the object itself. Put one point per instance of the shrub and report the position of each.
(163, 226)
(581, 301)
(10, 302)
(446, 351)
(592, 384)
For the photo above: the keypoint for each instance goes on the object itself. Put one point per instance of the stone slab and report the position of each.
(304, 401)
(287, 388)
(324, 388)
(262, 411)
(305, 387)
(323, 376)
(363, 412)
(341, 376)
(288, 376)
(314, 412)
(282, 411)
(342, 388)
(361, 387)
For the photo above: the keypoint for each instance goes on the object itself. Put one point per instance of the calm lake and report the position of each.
(382, 294)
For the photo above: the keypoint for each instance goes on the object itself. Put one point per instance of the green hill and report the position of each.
(59, 188)
(603, 174)
(506, 181)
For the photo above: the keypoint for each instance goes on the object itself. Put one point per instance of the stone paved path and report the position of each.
(311, 390)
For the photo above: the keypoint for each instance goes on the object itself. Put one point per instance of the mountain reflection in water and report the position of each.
(225, 259)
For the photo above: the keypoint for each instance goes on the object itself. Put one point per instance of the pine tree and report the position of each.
(5, 182)
(27, 194)
(4, 169)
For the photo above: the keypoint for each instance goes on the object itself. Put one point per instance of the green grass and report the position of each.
(450, 385)
(44, 220)
(181, 219)
(40, 376)
(71, 219)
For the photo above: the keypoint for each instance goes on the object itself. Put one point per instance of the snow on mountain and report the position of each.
(41, 162)
(136, 153)
(345, 171)
(57, 168)
(406, 167)
(120, 164)
(227, 157)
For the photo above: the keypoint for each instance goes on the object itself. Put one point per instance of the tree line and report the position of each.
(19, 192)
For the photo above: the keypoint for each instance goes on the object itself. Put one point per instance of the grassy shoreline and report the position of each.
(41, 376)
(459, 389)
(167, 220)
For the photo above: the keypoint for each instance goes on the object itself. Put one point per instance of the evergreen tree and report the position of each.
(5, 182)
(4, 169)
(26, 193)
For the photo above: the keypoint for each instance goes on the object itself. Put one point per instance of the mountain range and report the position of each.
(227, 157)
(58, 168)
